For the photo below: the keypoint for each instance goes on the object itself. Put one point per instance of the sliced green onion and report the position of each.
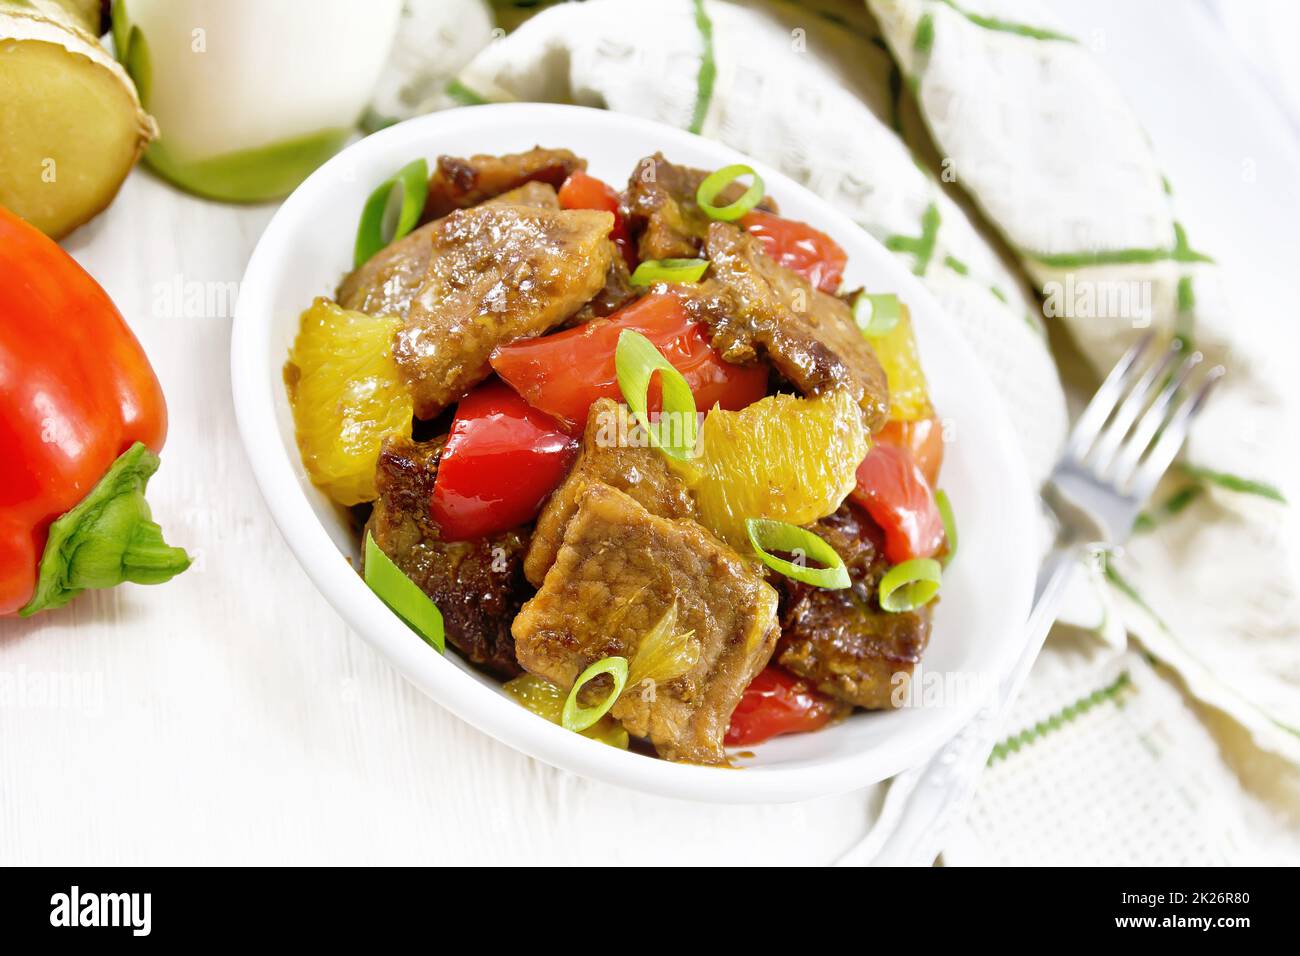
(767, 535)
(949, 524)
(907, 586)
(403, 597)
(876, 314)
(577, 718)
(636, 360)
(392, 210)
(715, 183)
(669, 270)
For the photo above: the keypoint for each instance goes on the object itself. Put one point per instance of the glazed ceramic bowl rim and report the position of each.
(286, 264)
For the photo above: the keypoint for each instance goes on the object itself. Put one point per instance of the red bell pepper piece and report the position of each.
(563, 373)
(896, 495)
(798, 246)
(923, 438)
(581, 191)
(777, 702)
(81, 419)
(501, 460)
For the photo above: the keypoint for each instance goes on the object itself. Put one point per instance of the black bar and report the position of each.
(333, 906)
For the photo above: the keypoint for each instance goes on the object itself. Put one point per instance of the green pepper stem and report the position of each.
(148, 559)
(108, 538)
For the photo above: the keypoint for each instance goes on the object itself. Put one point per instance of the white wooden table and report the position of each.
(229, 716)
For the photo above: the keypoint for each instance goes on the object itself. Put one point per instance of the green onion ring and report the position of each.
(669, 270)
(715, 183)
(876, 314)
(636, 360)
(403, 597)
(949, 524)
(767, 535)
(577, 718)
(392, 210)
(907, 586)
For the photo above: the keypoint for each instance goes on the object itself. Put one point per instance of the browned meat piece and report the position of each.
(541, 195)
(388, 280)
(496, 274)
(617, 292)
(462, 183)
(841, 640)
(478, 585)
(757, 307)
(642, 473)
(618, 572)
(662, 210)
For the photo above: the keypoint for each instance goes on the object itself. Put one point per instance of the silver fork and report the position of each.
(1119, 448)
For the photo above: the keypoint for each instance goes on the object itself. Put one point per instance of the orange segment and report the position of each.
(786, 458)
(909, 399)
(346, 395)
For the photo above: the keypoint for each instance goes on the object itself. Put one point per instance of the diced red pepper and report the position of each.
(923, 438)
(562, 374)
(502, 458)
(777, 702)
(798, 246)
(896, 495)
(581, 191)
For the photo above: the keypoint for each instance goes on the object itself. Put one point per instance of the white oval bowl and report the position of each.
(979, 623)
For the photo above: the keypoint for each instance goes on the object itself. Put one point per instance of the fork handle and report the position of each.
(924, 803)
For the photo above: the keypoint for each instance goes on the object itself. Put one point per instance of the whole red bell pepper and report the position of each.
(81, 420)
(501, 460)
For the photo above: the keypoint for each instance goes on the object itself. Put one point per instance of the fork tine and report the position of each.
(1148, 425)
(1088, 426)
(1112, 435)
(1172, 438)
